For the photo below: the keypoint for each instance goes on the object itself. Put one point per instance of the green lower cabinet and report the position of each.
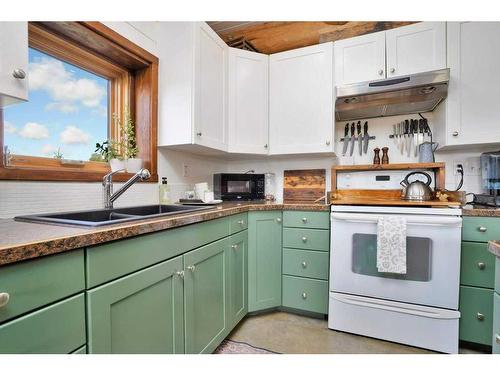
(206, 297)
(82, 350)
(56, 329)
(138, 313)
(496, 324)
(476, 314)
(305, 294)
(477, 265)
(264, 260)
(238, 266)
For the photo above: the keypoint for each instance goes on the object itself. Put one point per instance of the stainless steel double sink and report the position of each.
(98, 218)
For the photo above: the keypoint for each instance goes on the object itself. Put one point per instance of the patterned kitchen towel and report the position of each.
(391, 244)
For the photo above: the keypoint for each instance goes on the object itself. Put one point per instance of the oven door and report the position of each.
(433, 259)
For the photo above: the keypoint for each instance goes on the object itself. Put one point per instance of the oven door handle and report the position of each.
(397, 307)
(427, 220)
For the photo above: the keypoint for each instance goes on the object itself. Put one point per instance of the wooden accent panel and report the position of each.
(304, 185)
(272, 37)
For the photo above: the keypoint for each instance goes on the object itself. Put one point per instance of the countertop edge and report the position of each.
(494, 247)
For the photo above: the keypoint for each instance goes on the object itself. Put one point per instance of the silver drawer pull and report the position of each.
(497, 339)
(481, 265)
(180, 274)
(191, 268)
(304, 239)
(4, 299)
(304, 295)
(234, 247)
(19, 74)
(480, 316)
(278, 220)
(482, 229)
(304, 220)
(241, 222)
(304, 265)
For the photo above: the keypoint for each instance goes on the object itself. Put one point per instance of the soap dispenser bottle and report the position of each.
(164, 191)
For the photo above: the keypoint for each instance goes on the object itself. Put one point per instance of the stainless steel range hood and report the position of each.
(415, 93)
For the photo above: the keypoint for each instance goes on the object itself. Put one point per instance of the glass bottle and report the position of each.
(270, 186)
(164, 191)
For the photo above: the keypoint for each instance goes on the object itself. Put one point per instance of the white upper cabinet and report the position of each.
(248, 98)
(192, 85)
(360, 59)
(13, 62)
(471, 112)
(301, 118)
(416, 48)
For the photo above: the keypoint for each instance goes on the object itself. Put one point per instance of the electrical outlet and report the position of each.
(455, 166)
(472, 166)
(185, 170)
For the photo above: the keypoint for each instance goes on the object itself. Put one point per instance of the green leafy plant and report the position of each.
(58, 154)
(128, 141)
(97, 157)
(108, 150)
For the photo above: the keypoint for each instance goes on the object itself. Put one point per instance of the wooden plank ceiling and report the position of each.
(271, 37)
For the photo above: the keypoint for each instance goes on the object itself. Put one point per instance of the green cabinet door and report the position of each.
(206, 297)
(238, 266)
(138, 313)
(264, 260)
(477, 266)
(476, 314)
(496, 324)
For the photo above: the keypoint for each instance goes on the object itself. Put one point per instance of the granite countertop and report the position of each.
(21, 241)
(484, 211)
(494, 247)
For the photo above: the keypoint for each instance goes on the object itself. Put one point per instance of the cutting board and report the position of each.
(306, 185)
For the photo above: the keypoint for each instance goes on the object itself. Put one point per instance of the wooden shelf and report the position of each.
(387, 167)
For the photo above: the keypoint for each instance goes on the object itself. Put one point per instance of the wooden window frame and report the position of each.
(133, 76)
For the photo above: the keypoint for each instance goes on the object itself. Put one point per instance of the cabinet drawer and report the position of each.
(309, 239)
(477, 265)
(115, 259)
(480, 229)
(306, 219)
(305, 294)
(305, 263)
(476, 314)
(57, 329)
(496, 324)
(39, 282)
(238, 223)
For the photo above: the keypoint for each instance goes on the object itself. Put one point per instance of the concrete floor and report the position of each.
(287, 333)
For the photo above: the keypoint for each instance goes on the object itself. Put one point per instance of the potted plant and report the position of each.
(129, 142)
(109, 152)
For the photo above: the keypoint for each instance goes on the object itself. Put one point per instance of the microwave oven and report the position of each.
(239, 186)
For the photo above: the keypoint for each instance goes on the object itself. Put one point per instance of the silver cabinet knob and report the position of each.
(304, 295)
(278, 220)
(241, 222)
(19, 74)
(327, 142)
(304, 239)
(234, 247)
(304, 265)
(480, 316)
(481, 265)
(4, 299)
(180, 274)
(304, 220)
(455, 134)
(191, 268)
(198, 134)
(380, 72)
(497, 338)
(393, 70)
(482, 229)
(266, 145)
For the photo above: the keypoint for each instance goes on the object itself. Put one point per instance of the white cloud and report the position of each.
(51, 76)
(73, 135)
(48, 149)
(9, 128)
(32, 130)
(62, 107)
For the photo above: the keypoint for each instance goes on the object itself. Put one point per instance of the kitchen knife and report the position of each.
(421, 132)
(346, 139)
(401, 137)
(353, 139)
(410, 138)
(360, 138)
(407, 135)
(415, 131)
(366, 137)
(395, 134)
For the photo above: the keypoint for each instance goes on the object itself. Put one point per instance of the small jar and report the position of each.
(270, 186)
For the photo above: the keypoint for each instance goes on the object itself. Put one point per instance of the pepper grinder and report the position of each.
(376, 158)
(385, 157)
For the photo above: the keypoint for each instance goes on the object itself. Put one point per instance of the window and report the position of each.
(80, 74)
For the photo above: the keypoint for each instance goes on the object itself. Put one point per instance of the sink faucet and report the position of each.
(107, 183)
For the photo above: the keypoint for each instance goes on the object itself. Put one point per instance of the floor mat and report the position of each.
(236, 347)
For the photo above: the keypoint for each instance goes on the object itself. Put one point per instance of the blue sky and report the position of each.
(67, 109)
